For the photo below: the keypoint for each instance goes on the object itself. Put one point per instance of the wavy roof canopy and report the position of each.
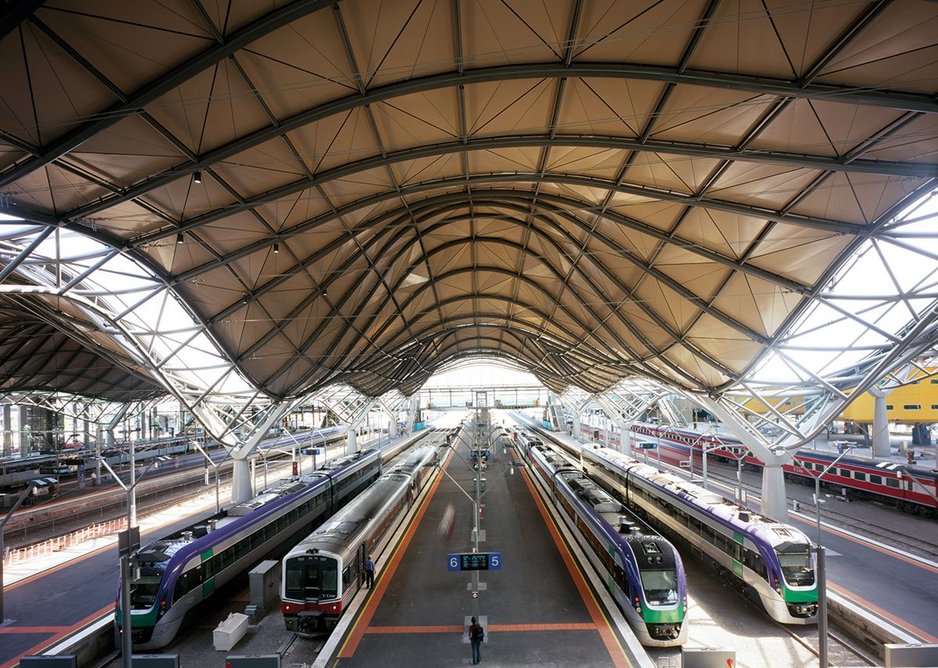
(591, 190)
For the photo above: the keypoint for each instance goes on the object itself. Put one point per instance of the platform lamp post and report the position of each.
(216, 466)
(704, 451)
(127, 542)
(822, 563)
(30, 486)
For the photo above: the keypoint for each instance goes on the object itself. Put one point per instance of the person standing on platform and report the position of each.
(370, 572)
(476, 636)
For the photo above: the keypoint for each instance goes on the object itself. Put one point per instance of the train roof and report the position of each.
(732, 514)
(345, 523)
(164, 548)
(591, 493)
(885, 465)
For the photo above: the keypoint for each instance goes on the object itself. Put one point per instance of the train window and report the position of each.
(242, 547)
(912, 407)
(660, 586)
(844, 472)
(859, 475)
(795, 561)
(876, 479)
(892, 482)
(143, 592)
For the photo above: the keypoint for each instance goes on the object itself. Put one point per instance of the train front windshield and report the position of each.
(311, 576)
(150, 563)
(143, 592)
(796, 563)
(660, 586)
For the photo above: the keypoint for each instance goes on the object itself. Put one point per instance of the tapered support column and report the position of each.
(773, 493)
(880, 425)
(351, 441)
(7, 433)
(241, 481)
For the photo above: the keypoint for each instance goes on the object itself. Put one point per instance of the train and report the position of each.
(641, 569)
(323, 572)
(771, 562)
(16, 472)
(911, 488)
(175, 574)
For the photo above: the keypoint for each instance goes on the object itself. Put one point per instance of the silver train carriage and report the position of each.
(173, 575)
(769, 561)
(641, 569)
(323, 572)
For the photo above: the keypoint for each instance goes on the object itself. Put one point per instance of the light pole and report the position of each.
(30, 486)
(209, 460)
(740, 456)
(126, 545)
(822, 563)
(817, 489)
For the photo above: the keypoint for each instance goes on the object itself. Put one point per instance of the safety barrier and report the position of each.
(111, 527)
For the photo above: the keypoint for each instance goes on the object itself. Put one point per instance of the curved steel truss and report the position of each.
(268, 205)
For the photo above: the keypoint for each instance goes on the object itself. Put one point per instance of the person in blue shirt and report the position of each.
(370, 572)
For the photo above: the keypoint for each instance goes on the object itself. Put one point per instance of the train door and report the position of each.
(360, 564)
(208, 574)
(736, 550)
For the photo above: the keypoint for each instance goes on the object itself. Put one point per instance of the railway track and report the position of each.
(918, 544)
(923, 543)
(840, 650)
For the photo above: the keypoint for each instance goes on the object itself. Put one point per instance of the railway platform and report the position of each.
(537, 609)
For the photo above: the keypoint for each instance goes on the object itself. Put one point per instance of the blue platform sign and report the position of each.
(311, 451)
(647, 446)
(474, 561)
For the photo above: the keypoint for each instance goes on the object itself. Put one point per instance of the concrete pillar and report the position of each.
(392, 425)
(351, 443)
(85, 433)
(773, 492)
(25, 446)
(240, 481)
(625, 436)
(880, 430)
(7, 430)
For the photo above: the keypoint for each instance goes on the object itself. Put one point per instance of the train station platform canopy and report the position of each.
(260, 201)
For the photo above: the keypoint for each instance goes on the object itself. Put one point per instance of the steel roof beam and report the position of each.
(154, 89)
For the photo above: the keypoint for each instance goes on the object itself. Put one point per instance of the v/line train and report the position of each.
(769, 561)
(324, 571)
(641, 569)
(911, 488)
(173, 575)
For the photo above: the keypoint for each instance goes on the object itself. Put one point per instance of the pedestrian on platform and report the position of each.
(476, 636)
(370, 572)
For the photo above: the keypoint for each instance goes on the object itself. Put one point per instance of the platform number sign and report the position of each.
(474, 561)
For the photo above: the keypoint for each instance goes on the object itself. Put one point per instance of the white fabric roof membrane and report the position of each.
(368, 191)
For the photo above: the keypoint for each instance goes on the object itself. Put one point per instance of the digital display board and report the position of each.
(474, 561)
